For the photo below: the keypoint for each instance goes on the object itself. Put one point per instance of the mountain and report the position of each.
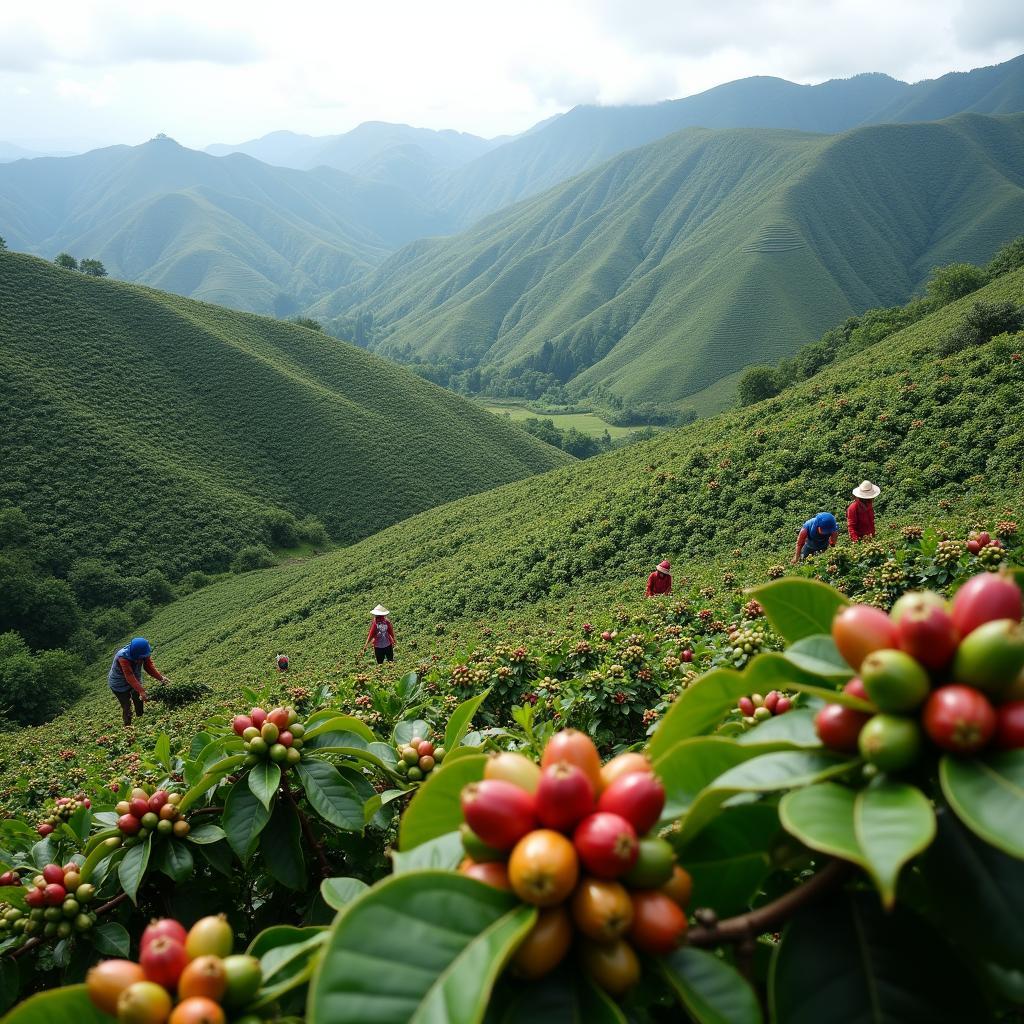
(156, 431)
(586, 136)
(233, 230)
(9, 151)
(675, 265)
(395, 154)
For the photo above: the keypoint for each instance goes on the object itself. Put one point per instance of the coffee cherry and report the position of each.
(623, 764)
(210, 936)
(243, 977)
(163, 960)
(890, 742)
(658, 922)
(577, 748)
(985, 598)
(203, 976)
(241, 724)
(894, 680)
(54, 894)
(181, 829)
(139, 806)
(545, 946)
(991, 656)
(493, 873)
(838, 727)
(1010, 726)
(564, 797)
(606, 844)
(499, 812)
(612, 966)
(639, 798)
(108, 979)
(924, 629)
(859, 630)
(601, 909)
(543, 868)
(654, 865)
(165, 927)
(144, 1002)
(959, 719)
(513, 768)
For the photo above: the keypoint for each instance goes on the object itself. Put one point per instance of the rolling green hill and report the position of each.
(587, 136)
(156, 431)
(231, 230)
(941, 436)
(675, 265)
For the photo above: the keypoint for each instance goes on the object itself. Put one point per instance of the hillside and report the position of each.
(152, 430)
(233, 231)
(586, 136)
(674, 265)
(941, 436)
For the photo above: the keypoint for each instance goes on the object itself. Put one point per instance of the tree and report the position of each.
(66, 261)
(954, 282)
(308, 322)
(3, 243)
(757, 384)
(94, 268)
(1010, 257)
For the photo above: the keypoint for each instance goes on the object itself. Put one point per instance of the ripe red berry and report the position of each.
(771, 699)
(606, 844)
(925, 630)
(138, 806)
(425, 749)
(163, 959)
(638, 797)
(658, 922)
(838, 727)
(499, 812)
(565, 796)
(746, 705)
(258, 716)
(855, 687)
(1010, 726)
(984, 598)
(34, 898)
(54, 873)
(166, 928)
(686, 656)
(860, 630)
(959, 718)
(44, 830)
(784, 704)
(279, 716)
(54, 894)
(240, 723)
(129, 824)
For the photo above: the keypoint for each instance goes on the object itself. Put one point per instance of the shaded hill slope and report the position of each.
(677, 264)
(156, 431)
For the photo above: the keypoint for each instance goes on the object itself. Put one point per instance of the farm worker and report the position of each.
(860, 515)
(125, 676)
(282, 662)
(381, 635)
(660, 581)
(816, 535)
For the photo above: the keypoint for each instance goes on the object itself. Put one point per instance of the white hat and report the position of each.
(867, 490)
(380, 610)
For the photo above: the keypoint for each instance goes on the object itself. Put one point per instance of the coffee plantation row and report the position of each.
(796, 872)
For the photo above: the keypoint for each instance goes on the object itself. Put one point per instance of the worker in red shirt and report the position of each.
(660, 581)
(381, 635)
(125, 676)
(860, 515)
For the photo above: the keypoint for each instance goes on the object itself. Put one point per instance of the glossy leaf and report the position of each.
(244, 819)
(206, 833)
(287, 958)
(698, 709)
(461, 718)
(821, 817)
(849, 956)
(174, 859)
(456, 936)
(339, 892)
(111, 939)
(798, 608)
(819, 656)
(712, 991)
(332, 796)
(281, 847)
(132, 868)
(338, 724)
(565, 996)
(443, 852)
(67, 1005)
(894, 822)
(162, 750)
(436, 808)
(693, 764)
(794, 729)
(987, 795)
(404, 731)
(264, 778)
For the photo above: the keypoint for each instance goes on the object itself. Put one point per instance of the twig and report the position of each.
(307, 829)
(749, 926)
(205, 810)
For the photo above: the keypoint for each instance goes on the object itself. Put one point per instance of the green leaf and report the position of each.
(264, 778)
(281, 846)
(162, 750)
(280, 936)
(712, 991)
(894, 822)
(436, 807)
(793, 729)
(339, 892)
(405, 731)
(821, 817)
(699, 708)
(797, 608)
(10, 982)
(174, 859)
(987, 795)
(111, 939)
(819, 655)
(765, 774)
(443, 852)
(331, 795)
(456, 936)
(287, 958)
(564, 996)
(848, 959)
(462, 716)
(132, 868)
(201, 835)
(338, 723)
(692, 765)
(244, 819)
(67, 1005)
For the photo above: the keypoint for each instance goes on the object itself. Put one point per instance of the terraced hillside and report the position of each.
(156, 431)
(675, 265)
(728, 494)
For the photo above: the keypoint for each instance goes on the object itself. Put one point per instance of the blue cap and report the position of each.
(140, 647)
(826, 522)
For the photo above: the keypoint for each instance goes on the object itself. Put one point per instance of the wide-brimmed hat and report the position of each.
(664, 566)
(867, 490)
(380, 610)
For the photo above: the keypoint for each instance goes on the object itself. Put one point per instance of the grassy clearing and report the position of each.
(584, 422)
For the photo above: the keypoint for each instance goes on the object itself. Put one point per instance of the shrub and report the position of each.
(194, 581)
(757, 384)
(111, 623)
(954, 281)
(97, 583)
(255, 556)
(982, 322)
(281, 529)
(33, 689)
(312, 531)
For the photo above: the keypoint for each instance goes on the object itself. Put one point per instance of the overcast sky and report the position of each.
(76, 73)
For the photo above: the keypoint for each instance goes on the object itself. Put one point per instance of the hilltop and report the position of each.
(675, 265)
(154, 431)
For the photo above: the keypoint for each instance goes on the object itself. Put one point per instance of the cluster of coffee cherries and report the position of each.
(63, 809)
(275, 735)
(575, 838)
(745, 641)
(58, 904)
(143, 813)
(756, 708)
(418, 758)
(978, 540)
(182, 977)
(949, 671)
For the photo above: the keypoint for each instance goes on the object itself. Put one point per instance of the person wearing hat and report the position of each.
(125, 676)
(660, 581)
(282, 662)
(860, 515)
(816, 535)
(381, 635)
